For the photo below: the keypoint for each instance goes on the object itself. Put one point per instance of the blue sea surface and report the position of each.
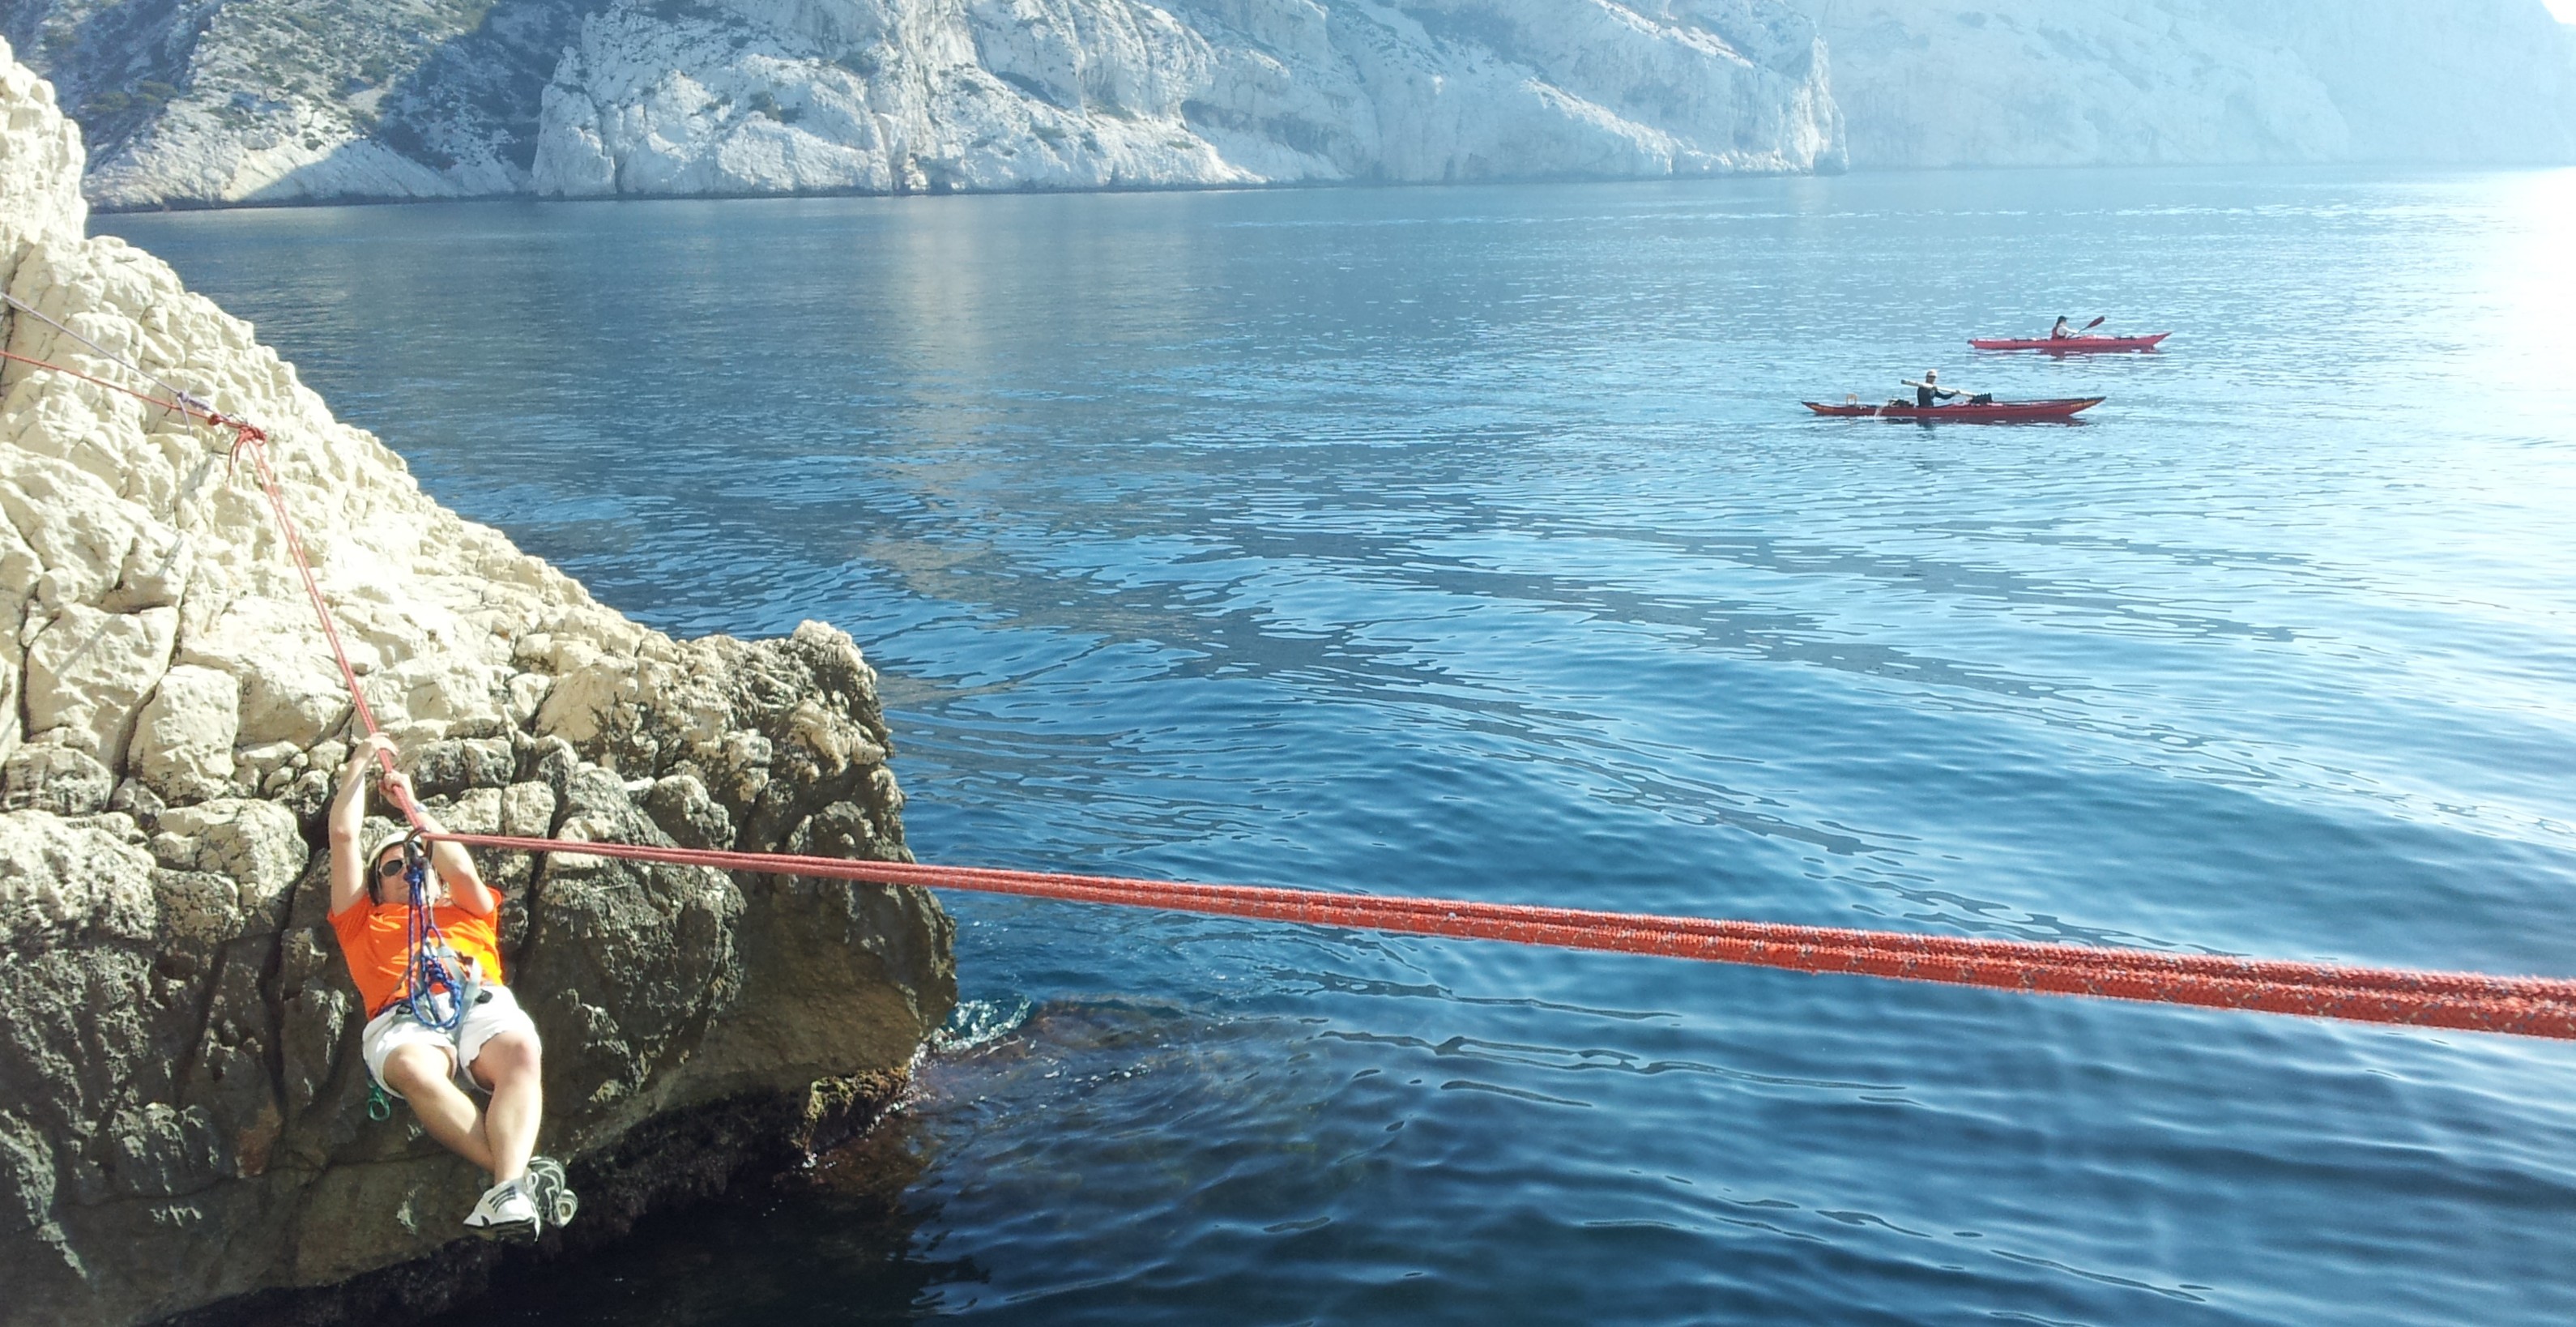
(1472, 542)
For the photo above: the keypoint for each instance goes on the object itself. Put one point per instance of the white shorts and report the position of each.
(495, 1013)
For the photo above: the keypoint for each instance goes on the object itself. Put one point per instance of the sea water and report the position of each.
(1472, 542)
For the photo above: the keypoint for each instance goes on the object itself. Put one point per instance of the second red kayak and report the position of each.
(2070, 345)
(1991, 412)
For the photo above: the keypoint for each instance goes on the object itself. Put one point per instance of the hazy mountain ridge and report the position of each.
(2175, 82)
(222, 101)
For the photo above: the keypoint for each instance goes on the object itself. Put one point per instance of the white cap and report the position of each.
(387, 841)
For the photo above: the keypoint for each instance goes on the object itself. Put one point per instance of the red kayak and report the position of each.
(2070, 345)
(1992, 412)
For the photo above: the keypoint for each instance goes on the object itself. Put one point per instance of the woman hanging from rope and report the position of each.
(416, 927)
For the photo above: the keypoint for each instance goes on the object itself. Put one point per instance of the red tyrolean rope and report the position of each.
(2520, 1006)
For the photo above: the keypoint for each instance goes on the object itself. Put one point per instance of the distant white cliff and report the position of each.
(296, 100)
(1925, 83)
(265, 101)
(764, 96)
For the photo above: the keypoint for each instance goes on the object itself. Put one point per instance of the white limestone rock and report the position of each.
(772, 96)
(89, 671)
(291, 696)
(63, 881)
(179, 1017)
(183, 740)
(293, 101)
(135, 543)
(303, 152)
(254, 845)
(313, 100)
(41, 176)
(302, 100)
(45, 775)
(19, 568)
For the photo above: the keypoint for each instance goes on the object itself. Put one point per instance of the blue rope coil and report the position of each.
(427, 974)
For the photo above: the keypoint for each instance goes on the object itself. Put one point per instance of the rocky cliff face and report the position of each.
(290, 100)
(294, 100)
(758, 96)
(2169, 82)
(182, 1111)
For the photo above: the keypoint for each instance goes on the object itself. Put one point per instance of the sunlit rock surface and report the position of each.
(182, 1109)
(773, 95)
(233, 101)
(297, 100)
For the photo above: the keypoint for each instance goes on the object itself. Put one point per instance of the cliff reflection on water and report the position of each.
(1471, 542)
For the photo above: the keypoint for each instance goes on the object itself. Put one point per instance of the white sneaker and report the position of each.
(546, 1187)
(505, 1210)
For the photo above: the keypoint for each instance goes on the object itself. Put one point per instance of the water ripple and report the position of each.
(1469, 542)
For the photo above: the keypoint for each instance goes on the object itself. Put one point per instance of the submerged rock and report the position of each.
(182, 1111)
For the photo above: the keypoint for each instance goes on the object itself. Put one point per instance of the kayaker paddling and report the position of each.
(1928, 391)
(2065, 338)
(1976, 410)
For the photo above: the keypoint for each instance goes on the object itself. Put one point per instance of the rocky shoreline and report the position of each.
(183, 1124)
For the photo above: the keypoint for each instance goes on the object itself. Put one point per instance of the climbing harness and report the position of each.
(2519, 1006)
(438, 984)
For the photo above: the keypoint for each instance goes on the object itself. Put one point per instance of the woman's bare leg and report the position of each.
(508, 1065)
(424, 1075)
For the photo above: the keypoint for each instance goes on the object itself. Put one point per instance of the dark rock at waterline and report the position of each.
(188, 1111)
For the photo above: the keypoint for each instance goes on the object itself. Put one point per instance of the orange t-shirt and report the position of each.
(376, 941)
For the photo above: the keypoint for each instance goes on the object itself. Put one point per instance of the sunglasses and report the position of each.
(390, 868)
